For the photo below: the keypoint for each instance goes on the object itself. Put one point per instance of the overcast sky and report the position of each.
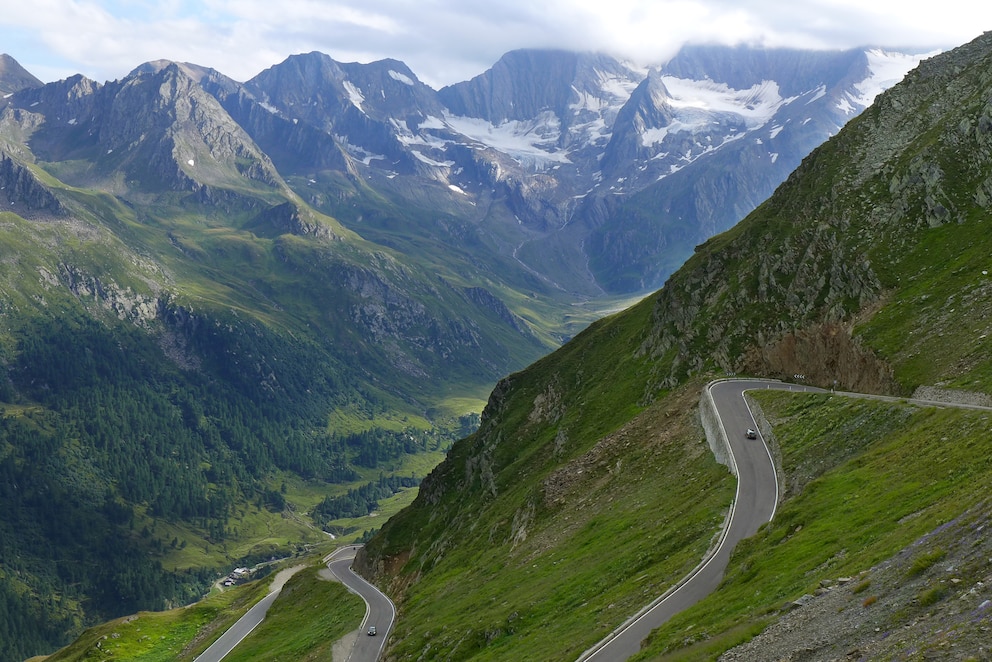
(446, 41)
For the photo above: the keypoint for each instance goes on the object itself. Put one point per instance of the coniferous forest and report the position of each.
(101, 431)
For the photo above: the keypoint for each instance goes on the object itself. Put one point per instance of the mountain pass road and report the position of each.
(379, 609)
(754, 505)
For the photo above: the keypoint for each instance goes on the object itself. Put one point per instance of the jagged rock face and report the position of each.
(486, 299)
(562, 104)
(291, 144)
(525, 83)
(648, 108)
(739, 309)
(362, 107)
(167, 120)
(67, 113)
(289, 218)
(390, 91)
(23, 192)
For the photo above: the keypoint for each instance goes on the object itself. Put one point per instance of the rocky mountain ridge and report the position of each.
(14, 77)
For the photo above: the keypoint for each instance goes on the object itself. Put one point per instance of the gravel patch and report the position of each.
(932, 601)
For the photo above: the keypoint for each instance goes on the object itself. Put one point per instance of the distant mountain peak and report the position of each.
(194, 71)
(14, 77)
(526, 82)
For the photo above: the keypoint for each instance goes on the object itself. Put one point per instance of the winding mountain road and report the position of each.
(754, 505)
(379, 609)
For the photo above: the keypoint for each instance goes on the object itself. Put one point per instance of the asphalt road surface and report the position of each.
(227, 641)
(754, 505)
(379, 609)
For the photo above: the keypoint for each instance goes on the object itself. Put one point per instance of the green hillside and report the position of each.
(588, 488)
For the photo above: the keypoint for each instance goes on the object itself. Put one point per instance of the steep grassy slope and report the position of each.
(566, 509)
(867, 270)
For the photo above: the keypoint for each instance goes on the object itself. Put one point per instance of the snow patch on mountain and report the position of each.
(354, 94)
(620, 88)
(358, 152)
(403, 78)
(756, 104)
(531, 143)
(818, 94)
(591, 102)
(595, 111)
(431, 162)
(421, 137)
(700, 106)
(431, 122)
(596, 132)
(613, 92)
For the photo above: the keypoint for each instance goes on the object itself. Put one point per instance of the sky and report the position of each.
(447, 41)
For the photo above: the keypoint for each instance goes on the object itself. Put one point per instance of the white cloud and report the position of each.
(445, 41)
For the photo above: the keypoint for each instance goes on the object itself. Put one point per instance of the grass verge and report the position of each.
(167, 636)
(310, 614)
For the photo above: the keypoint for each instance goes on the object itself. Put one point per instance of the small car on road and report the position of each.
(371, 630)
(751, 434)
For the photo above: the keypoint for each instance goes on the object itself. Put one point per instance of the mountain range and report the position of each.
(224, 303)
(612, 171)
(593, 175)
